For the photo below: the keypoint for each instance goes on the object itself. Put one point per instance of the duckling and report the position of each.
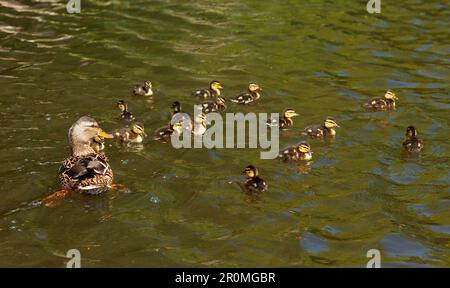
(212, 91)
(179, 116)
(250, 96)
(135, 134)
(412, 143)
(124, 113)
(214, 106)
(176, 107)
(98, 143)
(382, 104)
(164, 133)
(199, 124)
(321, 131)
(85, 170)
(253, 184)
(285, 121)
(299, 152)
(143, 89)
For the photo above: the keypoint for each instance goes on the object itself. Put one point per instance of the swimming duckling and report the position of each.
(250, 96)
(320, 131)
(214, 106)
(412, 143)
(382, 104)
(285, 121)
(135, 134)
(176, 107)
(86, 171)
(253, 184)
(124, 113)
(164, 133)
(98, 143)
(199, 124)
(299, 152)
(143, 89)
(212, 91)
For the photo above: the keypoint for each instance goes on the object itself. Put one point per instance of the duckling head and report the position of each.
(304, 147)
(411, 132)
(253, 87)
(220, 100)
(289, 113)
(250, 171)
(122, 105)
(390, 95)
(82, 133)
(200, 118)
(330, 123)
(215, 86)
(138, 128)
(148, 86)
(178, 127)
(176, 107)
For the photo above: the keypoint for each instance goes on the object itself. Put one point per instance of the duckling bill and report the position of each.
(254, 184)
(412, 143)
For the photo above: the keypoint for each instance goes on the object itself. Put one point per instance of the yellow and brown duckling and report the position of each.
(253, 184)
(98, 143)
(164, 133)
(200, 124)
(124, 113)
(285, 121)
(212, 91)
(248, 97)
(144, 89)
(133, 134)
(299, 152)
(86, 171)
(382, 104)
(176, 107)
(412, 143)
(327, 129)
(214, 106)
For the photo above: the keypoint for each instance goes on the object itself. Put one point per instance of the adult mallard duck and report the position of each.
(327, 129)
(412, 143)
(300, 152)
(251, 95)
(86, 171)
(134, 134)
(382, 104)
(285, 121)
(124, 113)
(144, 89)
(212, 91)
(214, 106)
(253, 184)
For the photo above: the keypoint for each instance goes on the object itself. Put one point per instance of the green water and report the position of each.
(184, 207)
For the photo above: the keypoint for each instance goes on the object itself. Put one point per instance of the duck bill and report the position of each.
(103, 134)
